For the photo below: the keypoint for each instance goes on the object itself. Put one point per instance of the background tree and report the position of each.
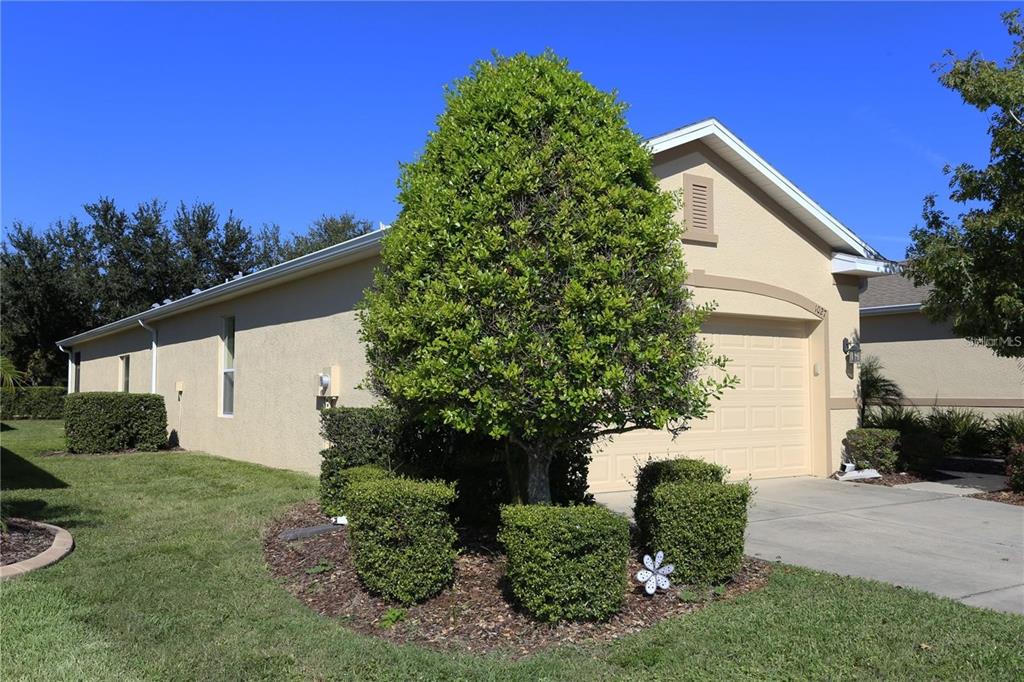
(532, 286)
(976, 265)
(327, 230)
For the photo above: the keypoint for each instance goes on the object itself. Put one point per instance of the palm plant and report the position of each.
(875, 388)
(10, 376)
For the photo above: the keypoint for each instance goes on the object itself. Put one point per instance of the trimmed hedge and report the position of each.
(402, 536)
(360, 435)
(33, 402)
(108, 422)
(335, 484)
(700, 528)
(566, 563)
(873, 449)
(1015, 467)
(656, 472)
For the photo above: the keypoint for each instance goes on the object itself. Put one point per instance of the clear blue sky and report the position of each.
(283, 112)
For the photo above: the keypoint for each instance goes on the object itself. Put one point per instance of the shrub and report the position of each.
(1015, 467)
(33, 402)
(108, 422)
(964, 432)
(335, 484)
(896, 417)
(360, 435)
(872, 448)
(403, 540)
(1006, 431)
(566, 563)
(656, 472)
(700, 528)
(920, 450)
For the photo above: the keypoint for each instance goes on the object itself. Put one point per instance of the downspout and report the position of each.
(71, 368)
(152, 350)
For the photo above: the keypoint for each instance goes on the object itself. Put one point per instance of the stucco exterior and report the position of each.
(771, 276)
(935, 367)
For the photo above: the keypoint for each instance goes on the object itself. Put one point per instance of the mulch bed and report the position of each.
(904, 477)
(1004, 496)
(473, 615)
(23, 541)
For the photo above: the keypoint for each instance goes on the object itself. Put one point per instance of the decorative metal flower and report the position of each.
(655, 576)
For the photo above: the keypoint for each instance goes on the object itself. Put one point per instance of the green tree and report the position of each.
(975, 265)
(531, 288)
(875, 389)
(327, 230)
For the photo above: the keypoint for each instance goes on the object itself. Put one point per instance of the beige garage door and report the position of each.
(761, 428)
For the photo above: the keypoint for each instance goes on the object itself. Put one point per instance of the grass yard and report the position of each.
(168, 582)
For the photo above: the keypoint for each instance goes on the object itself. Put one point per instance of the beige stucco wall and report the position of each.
(285, 335)
(761, 243)
(935, 367)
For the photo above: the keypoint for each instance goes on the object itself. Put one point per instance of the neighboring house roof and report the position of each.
(724, 143)
(891, 294)
(854, 256)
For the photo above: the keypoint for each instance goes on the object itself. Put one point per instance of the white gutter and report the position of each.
(152, 352)
(362, 246)
(895, 309)
(71, 367)
(846, 264)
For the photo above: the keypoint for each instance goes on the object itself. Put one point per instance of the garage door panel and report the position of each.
(760, 429)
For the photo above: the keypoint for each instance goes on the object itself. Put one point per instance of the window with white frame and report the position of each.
(126, 365)
(227, 398)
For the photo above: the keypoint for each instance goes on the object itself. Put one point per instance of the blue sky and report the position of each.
(283, 112)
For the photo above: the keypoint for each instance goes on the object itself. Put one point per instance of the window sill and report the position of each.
(705, 239)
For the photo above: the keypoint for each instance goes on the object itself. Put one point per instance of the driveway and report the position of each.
(968, 549)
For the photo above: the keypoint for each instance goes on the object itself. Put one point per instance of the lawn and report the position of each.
(168, 582)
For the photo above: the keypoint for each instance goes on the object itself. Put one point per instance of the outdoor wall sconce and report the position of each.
(852, 351)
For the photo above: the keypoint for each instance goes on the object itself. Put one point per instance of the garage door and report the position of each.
(761, 428)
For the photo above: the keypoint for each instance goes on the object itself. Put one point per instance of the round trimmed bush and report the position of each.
(700, 528)
(402, 537)
(566, 563)
(335, 483)
(873, 448)
(655, 472)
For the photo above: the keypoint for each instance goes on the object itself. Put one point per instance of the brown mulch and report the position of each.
(23, 541)
(1004, 496)
(904, 477)
(473, 615)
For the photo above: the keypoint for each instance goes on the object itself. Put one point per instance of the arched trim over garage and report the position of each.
(699, 278)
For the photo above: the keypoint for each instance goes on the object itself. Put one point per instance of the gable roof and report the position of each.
(731, 148)
(892, 293)
(864, 260)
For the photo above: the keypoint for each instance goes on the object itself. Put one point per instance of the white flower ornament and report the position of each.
(655, 576)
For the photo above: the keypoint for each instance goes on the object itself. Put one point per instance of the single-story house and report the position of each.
(245, 365)
(933, 366)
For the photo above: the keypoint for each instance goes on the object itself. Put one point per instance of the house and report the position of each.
(245, 365)
(933, 366)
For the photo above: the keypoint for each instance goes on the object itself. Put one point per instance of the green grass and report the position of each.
(168, 582)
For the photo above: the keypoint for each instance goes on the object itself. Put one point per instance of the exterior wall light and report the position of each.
(852, 351)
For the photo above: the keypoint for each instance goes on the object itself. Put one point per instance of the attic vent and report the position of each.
(698, 208)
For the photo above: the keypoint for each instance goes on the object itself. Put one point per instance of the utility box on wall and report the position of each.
(329, 382)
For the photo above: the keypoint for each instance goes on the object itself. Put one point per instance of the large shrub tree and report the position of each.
(975, 264)
(531, 288)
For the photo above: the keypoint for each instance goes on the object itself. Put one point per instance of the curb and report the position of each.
(62, 545)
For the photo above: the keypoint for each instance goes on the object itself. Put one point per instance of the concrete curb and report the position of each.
(62, 545)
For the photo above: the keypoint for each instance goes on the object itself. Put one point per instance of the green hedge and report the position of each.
(873, 449)
(700, 528)
(566, 563)
(335, 484)
(33, 402)
(108, 422)
(360, 435)
(1015, 467)
(656, 472)
(402, 537)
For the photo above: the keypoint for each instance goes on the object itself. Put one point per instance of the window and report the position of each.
(77, 386)
(698, 209)
(227, 397)
(125, 371)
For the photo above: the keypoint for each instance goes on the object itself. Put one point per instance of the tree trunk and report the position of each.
(538, 486)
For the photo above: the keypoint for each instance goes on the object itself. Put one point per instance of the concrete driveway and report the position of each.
(968, 549)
